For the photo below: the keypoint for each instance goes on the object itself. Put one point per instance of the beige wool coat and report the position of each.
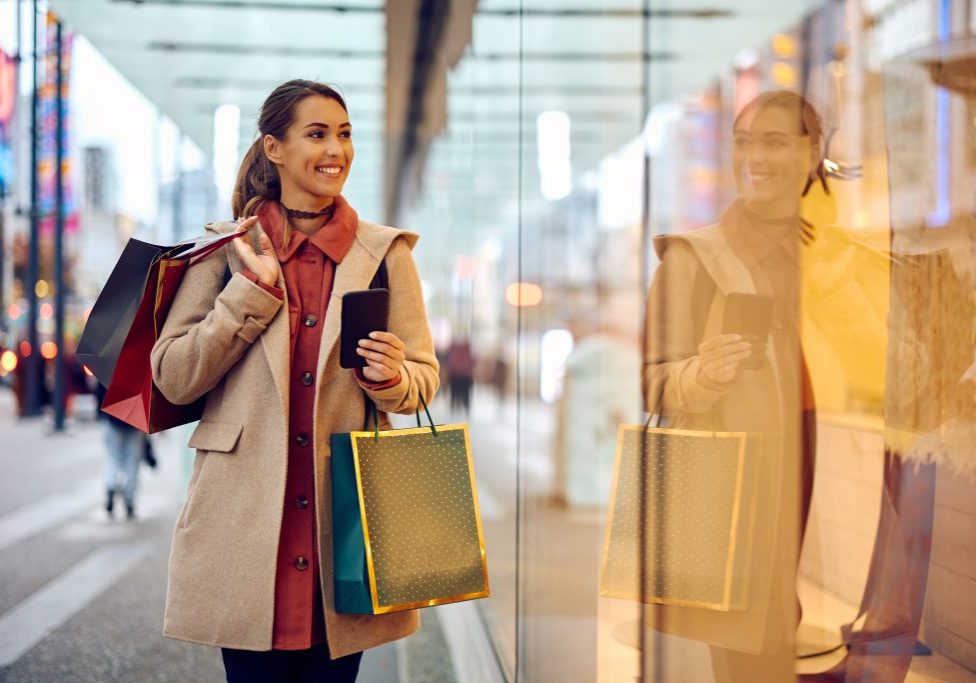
(232, 344)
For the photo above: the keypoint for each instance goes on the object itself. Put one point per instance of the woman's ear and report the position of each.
(271, 149)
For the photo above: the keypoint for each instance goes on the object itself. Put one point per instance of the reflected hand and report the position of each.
(720, 356)
(384, 354)
(265, 264)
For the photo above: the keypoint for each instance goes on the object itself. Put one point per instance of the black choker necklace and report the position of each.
(295, 213)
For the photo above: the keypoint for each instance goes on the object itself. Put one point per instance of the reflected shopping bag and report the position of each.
(681, 533)
(125, 322)
(406, 526)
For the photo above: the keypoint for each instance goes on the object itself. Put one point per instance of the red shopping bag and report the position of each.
(132, 396)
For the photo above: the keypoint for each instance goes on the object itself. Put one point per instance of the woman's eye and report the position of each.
(315, 134)
(346, 134)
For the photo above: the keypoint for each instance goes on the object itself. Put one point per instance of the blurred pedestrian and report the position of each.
(460, 373)
(125, 446)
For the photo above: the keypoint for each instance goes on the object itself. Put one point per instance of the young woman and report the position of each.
(251, 562)
(703, 377)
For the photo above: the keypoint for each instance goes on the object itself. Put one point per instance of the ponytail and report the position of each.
(257, 181)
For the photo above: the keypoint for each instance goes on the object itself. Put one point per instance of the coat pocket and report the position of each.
(216, 436)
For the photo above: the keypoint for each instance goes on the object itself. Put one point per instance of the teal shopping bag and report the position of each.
(406, 527)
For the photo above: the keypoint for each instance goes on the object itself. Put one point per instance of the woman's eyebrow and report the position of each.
(345, 124)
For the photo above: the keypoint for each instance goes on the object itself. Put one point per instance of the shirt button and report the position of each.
(310, 320)
(301, 502)
(301, 564)
(308, 378)
(302, 439)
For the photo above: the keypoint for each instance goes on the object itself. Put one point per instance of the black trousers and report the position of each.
(290, 666)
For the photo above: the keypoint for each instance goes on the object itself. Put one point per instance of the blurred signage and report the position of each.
(47, 142)
(8, 84)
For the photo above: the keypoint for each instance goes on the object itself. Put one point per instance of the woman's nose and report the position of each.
(332, 148)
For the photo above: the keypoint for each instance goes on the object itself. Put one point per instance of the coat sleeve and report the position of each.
(408, 321)
(208, 329)
(669, 377)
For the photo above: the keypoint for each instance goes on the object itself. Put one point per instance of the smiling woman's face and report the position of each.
(771, 159)
(316, 153)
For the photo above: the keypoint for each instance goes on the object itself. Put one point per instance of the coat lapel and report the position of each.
(275, 341)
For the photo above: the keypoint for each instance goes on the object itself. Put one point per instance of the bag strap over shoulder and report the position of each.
(381, 280)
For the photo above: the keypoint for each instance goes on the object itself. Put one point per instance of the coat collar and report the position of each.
(712, 248)
(334, 238)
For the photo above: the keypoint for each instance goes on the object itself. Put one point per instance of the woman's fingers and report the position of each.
(389, 357)
(717, 341)
(384, 353)
(382, 347)
(727, 351)
(721, 364)
(262, 265)
(266, 247)
(246, 224)
(388, 338)
(244, 250)
(386, 371)
(376, 372)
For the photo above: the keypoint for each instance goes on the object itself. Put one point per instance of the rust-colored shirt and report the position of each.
(308, 265)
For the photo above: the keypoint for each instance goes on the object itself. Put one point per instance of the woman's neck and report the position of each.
(773, 211)
(307, 226)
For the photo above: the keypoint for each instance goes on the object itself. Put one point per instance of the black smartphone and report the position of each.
(749, 315)
(363, 311)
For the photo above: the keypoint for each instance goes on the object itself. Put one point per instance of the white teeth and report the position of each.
(329, 170)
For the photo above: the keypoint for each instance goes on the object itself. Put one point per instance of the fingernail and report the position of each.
(372, 335)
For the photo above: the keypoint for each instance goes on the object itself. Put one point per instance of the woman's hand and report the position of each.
(384, 356)
(720, 356)
(265, 264)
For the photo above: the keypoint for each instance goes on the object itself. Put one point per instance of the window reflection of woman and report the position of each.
(695, 375)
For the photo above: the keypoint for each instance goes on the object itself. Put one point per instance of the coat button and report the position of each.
(301, 502)
(308, 378)
(301, 564)
(302, 439)
(310, 320)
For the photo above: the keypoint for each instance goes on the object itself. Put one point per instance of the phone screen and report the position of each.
(749, 315)
(363, 312)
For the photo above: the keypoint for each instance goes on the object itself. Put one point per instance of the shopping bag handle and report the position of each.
(196, 249)
(371, 410)
(656, 408)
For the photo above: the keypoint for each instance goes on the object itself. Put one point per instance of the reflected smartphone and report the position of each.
(749, 315)
(363, 311)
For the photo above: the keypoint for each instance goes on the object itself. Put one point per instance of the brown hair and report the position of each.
(810, 124)
(257, 179)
